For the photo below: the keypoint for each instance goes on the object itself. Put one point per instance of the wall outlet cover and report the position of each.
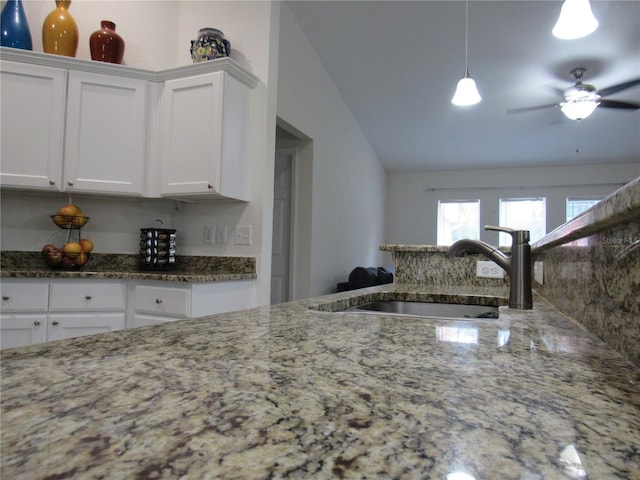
(486, 269)
(243, 235)
(538, 272)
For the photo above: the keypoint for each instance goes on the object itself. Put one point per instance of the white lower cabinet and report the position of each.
(159, 302)
(22, 329)
(36, 311)
(23, 312)
(65, 325)
(81, 307)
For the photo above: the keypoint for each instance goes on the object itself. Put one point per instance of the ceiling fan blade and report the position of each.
(531, 109)
(605, 92)
(617, 104)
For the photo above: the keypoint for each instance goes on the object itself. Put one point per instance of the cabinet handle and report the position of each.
(5, 298)
(70, 183)
(158, 301)
(210, 187)
(88, 297)
(52, 182)
(36, 322)
(55, 322)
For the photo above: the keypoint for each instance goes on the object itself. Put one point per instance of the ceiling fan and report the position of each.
(581, 99)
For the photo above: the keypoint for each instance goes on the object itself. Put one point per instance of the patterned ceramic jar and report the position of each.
(209, 44)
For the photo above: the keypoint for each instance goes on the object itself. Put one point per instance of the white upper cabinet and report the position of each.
(204, 136)
(93, 127)
(33, 114)
(106, 134)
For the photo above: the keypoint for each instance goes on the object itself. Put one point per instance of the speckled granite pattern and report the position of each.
(286, 391)
(192, 269)
(424, 266)
(621, 206)
(598, 283)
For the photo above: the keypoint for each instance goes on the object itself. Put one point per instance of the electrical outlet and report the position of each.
(208, 234)
(243, 235)
(221, 234)
(538, 272)
(486, 269)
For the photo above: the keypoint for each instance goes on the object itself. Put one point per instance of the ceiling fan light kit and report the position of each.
(466, 93)
(581, 99)
(578, 110)
(576, 20)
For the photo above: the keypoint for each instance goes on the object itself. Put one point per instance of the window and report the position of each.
(577, 205)
(523, 214)
(458, 219)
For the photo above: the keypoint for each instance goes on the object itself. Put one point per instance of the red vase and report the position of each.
(105, 44)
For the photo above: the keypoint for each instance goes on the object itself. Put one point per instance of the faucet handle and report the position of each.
(517, 236)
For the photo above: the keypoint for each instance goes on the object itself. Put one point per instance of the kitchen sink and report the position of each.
(426, 309)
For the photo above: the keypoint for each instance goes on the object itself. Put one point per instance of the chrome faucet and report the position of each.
(518, 267)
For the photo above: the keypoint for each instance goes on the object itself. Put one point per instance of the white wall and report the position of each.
(412, 198)
(348, 199)
(157, 36)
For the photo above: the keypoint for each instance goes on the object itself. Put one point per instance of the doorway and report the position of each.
(281, 242)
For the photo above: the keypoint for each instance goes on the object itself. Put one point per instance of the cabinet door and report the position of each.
(204, 129)
(22, 329)
(105, 149)
(65, 325)
(32, 119)
(191, 127)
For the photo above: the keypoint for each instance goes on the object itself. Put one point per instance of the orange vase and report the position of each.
(59, 31)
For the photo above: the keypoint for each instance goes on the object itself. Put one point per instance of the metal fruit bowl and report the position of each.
(70, 221)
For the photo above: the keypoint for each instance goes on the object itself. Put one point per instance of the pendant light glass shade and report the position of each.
(578, 110)
(466, 92)
(576, 20)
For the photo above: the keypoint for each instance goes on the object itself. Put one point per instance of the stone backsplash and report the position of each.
(427, 265)
(596, 281)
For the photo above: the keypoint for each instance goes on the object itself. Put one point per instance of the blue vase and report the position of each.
(15, 29)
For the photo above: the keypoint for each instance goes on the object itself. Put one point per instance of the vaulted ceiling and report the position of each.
(396, 63)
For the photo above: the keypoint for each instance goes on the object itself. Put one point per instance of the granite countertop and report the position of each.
(289, 391)
(190, 269)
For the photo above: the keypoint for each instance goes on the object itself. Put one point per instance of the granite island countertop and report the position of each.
(289, 391)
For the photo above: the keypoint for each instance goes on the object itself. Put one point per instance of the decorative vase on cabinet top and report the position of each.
(209, 44)
(105, 44)
(60, 32)
(15, 28)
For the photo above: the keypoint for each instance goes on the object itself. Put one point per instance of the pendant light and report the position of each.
(576, 20)
(466, 92)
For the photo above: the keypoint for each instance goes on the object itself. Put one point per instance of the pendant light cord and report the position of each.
(466, 39)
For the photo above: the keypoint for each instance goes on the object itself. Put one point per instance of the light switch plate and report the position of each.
(221, 234)
(243, 235)
(208, 233)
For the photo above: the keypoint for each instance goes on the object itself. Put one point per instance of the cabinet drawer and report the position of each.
(140, 320)
(19, 297)
(163, 300)
(88, 295)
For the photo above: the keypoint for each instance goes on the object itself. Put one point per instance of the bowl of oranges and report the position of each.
(75, 251)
